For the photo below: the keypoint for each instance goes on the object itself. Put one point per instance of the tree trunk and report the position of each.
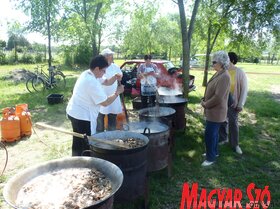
(209, 50)
(207, 58)
(96, 31)
(15, 47)
(169, 56)
(268, 58)
(186, 47)
(272, 59)
(49, 32)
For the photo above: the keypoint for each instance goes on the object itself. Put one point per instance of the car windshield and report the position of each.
(168, 65)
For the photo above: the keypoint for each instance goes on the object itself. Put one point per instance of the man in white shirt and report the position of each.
(88, 95)
(115, 108)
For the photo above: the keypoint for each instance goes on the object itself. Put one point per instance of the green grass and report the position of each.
(259, 140)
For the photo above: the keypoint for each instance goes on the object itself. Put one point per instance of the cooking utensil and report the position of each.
(83, 136)
(110, 170)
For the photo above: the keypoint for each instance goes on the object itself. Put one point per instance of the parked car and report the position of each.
(194, 62)
(170, 76)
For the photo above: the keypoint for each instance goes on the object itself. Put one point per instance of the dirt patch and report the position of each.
(18, 75)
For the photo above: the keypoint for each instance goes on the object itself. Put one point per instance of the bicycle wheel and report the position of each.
(28, 85)
(59, 80)
(38, 83)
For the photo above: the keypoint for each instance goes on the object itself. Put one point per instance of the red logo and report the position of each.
(224, 198)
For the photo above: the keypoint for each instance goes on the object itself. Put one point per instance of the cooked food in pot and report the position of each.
(131, 142)
(70, 188)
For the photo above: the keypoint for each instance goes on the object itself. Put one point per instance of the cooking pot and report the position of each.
(164, 91)
(160, 114)
(172, 100)
(178, 103)
(158, 148)
(110, 170)
(132, 162)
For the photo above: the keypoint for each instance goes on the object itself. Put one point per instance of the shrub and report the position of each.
(3, 60)
(27, 58)
(83, 55)
(11, 59)
(39, 58)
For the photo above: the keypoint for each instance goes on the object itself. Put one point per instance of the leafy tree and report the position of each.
(83, 21)
(167, 36)
(245, 17)
(44, 15)
(18, 40)
(139, 39)
(2, 43)
(186, 40)
(15, 31)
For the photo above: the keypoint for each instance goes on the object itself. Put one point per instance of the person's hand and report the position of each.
(141, 75)
(202, 102)
(238, 109)
(120, 89)
(151, 73)
(118, 76)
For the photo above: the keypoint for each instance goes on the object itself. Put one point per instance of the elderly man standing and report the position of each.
(238, 92)
(116, 107)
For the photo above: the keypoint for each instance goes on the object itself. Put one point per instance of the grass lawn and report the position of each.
(259, 140)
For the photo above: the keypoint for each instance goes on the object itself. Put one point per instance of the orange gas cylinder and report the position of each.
(25, 119)
(121, 119)
(7, 111)
(105, 122)
(10, 128)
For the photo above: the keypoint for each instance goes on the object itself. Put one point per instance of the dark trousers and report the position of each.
(112, 122)
(230, 129)
(211, 137)
(79, 144)
(148, 101)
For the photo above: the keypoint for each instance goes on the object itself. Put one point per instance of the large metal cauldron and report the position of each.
(158, 148)
(178, 103)
(160, 114)
(164, 91)
(132, 162)
(110, 170)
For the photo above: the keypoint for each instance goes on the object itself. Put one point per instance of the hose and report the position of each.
(4, 147)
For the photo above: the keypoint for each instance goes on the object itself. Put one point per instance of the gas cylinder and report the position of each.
(10, 126)
(25, 119)
(121, 119)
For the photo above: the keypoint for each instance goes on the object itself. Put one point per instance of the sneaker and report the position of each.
(204, 155)
(238, 150)
(206, 163)
(223, 142)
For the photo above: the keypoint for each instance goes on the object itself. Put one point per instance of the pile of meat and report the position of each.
(71, 188)
(131, 142)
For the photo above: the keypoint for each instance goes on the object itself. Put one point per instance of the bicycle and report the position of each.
(28, 83)
(41, 80)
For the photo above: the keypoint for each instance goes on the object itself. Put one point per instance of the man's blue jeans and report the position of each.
(211, 137)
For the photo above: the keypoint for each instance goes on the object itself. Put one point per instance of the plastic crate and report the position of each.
(55, 98)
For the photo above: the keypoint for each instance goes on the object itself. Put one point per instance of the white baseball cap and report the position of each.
(107, 51)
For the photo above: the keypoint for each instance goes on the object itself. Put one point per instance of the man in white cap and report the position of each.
(115, 108)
